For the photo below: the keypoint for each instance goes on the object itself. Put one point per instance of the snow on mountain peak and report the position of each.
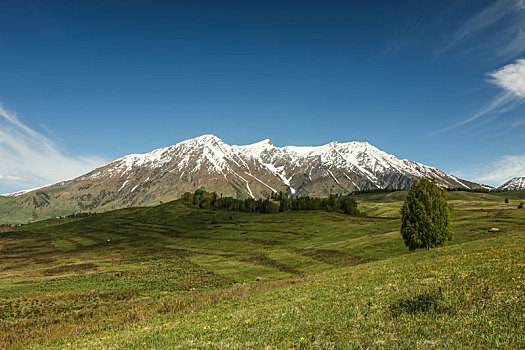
(254, 150)
(206, 138)
(516, 183)
(203, 140)
(334, 154)
(210, 153)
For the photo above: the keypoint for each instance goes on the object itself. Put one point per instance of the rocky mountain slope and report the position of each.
(517, 183)
(241, 171)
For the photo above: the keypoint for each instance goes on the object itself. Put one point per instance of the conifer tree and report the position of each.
(425, 215)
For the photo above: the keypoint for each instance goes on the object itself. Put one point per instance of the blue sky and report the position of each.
(86, 82)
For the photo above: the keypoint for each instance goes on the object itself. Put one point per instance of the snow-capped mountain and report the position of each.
(257, 169)
(253, 170)
(517, 183)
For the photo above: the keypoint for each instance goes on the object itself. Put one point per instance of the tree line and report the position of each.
(451, 189)
(477, 190)
(276, 203)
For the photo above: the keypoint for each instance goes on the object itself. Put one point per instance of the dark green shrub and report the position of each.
(425, 215)
(430, 302)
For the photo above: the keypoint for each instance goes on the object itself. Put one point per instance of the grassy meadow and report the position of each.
(174, 276)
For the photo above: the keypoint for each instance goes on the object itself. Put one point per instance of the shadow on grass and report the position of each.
(428, 302)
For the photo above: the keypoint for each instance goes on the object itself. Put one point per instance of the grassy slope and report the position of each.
(65, 200)
(175, 276)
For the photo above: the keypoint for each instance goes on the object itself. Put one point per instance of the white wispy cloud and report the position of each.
(484, 19)
(501, 170)
(516, 123)
(30, 159)
(511, 79)
(503, 23)
(9, 177)
(497, 31)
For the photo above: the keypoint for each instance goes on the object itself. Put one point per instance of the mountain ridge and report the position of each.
(516, 183)
(218, 155)
(243, 171)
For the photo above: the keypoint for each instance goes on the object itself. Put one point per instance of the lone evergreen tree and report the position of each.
(425, 215)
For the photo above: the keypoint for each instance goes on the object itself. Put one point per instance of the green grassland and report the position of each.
(175, 276)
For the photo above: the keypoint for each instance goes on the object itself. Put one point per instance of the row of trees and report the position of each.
(454, 189)
(477, 190)
(276, 203)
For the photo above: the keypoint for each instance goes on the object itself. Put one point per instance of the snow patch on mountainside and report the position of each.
(124, 184)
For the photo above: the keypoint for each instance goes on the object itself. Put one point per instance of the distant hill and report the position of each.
(207, 162)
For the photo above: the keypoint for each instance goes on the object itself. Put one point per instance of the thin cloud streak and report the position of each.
(484, 19)
(505, 17)
(494, 106)
(518, 123)
(501, 170)
(510, 78)
(30, 159)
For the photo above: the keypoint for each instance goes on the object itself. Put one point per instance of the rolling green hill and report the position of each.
(173, 276)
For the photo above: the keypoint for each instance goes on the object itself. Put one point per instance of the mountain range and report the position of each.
(206, 162)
